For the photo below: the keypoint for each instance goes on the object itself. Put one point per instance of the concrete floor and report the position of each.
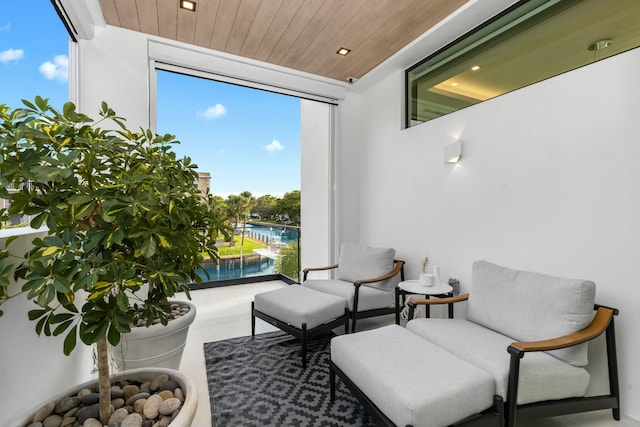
(225, 313)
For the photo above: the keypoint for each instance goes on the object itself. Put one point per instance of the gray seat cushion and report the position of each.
(412, 381)
(542, 376)
(363, 262)
(368, 298)
(296, 305)
(530, 306)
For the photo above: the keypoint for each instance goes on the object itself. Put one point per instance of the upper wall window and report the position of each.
(527, 43)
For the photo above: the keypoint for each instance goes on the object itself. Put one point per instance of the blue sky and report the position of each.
(33, 53)
(248, 140)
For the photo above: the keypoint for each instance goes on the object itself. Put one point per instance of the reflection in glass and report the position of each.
(530, 42)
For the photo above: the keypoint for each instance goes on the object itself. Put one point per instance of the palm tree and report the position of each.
(248, 203)
(235, 209)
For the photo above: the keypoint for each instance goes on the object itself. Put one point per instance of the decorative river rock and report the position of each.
(177, 310)
(151, 403)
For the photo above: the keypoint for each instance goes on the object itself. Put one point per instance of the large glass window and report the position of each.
(530, 42)
(246, 143)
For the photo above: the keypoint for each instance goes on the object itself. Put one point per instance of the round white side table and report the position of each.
(408, 287)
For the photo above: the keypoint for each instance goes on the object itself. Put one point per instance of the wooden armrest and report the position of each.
(397, 267)
(447, 300)
(308, 269)
(329, 267)
(597, 326)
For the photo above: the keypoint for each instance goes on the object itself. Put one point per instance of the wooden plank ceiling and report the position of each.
(299, 34)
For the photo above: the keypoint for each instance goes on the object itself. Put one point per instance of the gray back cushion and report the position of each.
(362, 262)
(529, 306)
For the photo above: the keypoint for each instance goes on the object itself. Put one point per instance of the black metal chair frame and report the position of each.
(303, 334)
(503, 414)
(355, 314)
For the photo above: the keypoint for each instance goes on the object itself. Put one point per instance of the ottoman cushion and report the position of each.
(412, 381)
(296, 305)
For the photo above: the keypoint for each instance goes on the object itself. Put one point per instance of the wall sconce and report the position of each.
(453, 152)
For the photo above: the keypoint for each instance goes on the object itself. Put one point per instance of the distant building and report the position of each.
(204, 182)
(14, 220)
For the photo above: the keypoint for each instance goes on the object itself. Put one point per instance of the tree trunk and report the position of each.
(104, 381)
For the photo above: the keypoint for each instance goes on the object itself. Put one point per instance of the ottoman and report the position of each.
(404, 380)
(300, 312)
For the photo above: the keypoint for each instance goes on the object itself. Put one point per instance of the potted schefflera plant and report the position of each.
(126, 225)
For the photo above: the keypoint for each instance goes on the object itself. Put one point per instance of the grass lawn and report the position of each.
(248, 247)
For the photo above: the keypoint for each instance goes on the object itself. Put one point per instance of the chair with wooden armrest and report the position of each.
(517, 311)
(365, 277)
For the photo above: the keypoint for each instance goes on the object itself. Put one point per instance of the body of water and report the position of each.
(253, 264)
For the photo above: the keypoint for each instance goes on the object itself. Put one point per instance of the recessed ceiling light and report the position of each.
(343, 51)
(454, 84)
(475, 68)
(188, 5)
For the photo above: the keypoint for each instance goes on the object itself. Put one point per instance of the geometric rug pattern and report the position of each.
(259, 381)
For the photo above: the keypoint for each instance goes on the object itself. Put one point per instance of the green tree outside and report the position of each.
(288, 263)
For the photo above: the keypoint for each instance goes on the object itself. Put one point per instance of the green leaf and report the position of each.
(79, 199)
(122, 323)
(123, 301)
(91, 333)
(29, 104)
(62, 327)
(41, 103)
(50, 250)
(68, 109)
(61, 317)
(35, 314)
(148, 247)
(113, 336)
(40, 325)
(46, 296)
(9, 240)
(70, 341)
(61, 285)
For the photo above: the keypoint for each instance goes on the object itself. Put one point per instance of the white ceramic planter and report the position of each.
(157, 346)
(184, 418)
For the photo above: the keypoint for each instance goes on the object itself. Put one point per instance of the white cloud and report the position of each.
(213, 113)
(274, 146)
(11, 55)
(56, 70)
(5, 27)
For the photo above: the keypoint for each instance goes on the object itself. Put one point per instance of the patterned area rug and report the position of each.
(259, 381)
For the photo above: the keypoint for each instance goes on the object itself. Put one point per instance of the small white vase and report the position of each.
(436, 274)
(427, 279)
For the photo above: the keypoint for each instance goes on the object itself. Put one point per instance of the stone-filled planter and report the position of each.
(59, 410)
(157, 345)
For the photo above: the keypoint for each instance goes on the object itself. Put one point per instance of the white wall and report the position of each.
(548, 182)
(316, 188)
(114, 67)
(33, 368)
(348, 169)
